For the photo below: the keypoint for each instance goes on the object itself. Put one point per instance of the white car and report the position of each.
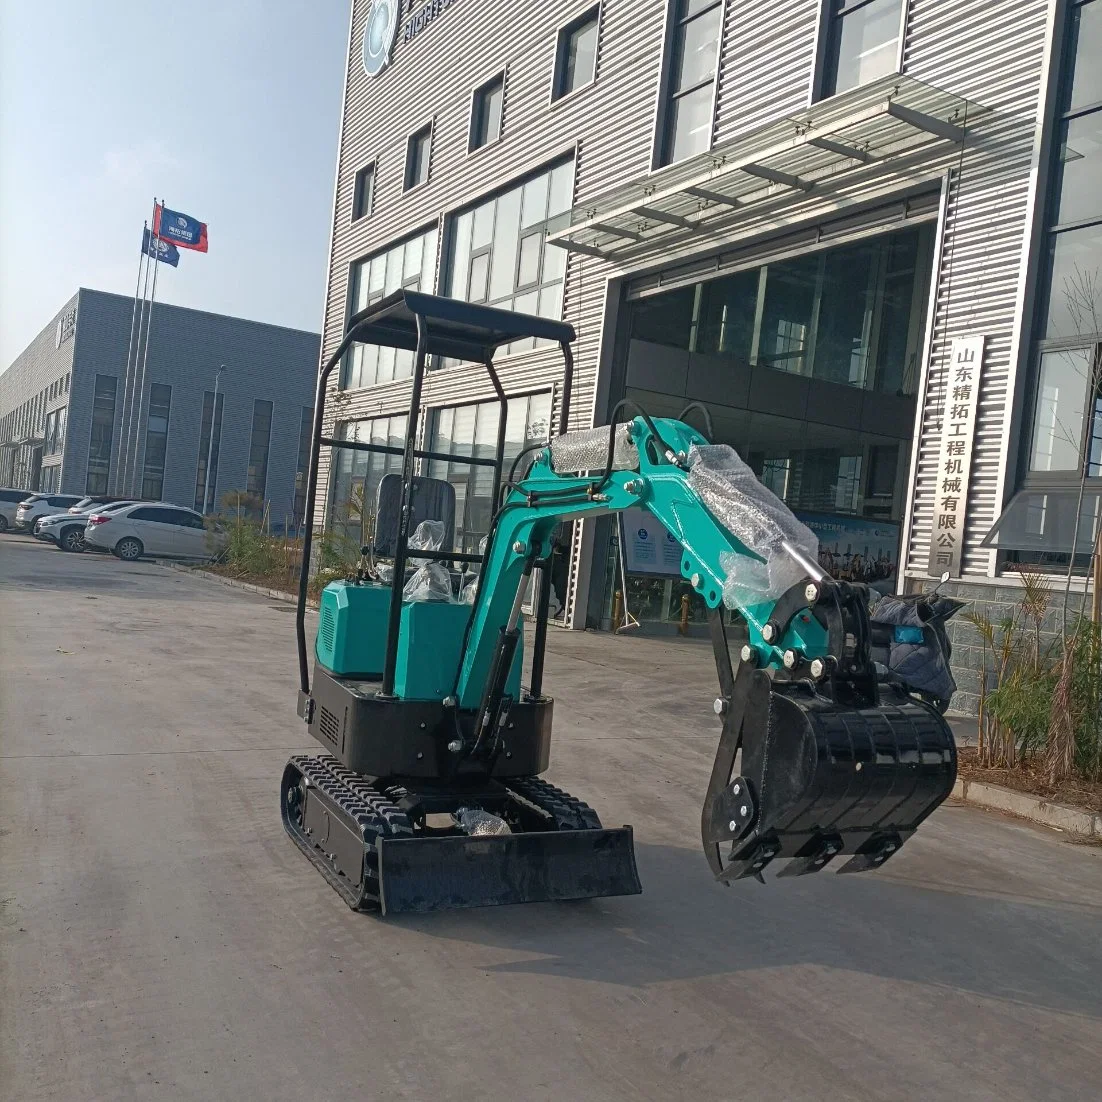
(39, 505)
(67, 529)
(160, 531)
(9, 502)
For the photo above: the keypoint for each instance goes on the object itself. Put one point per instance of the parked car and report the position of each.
(9, 502)
(39, 505)
(88, 505)
(162, 531)
(67, 529)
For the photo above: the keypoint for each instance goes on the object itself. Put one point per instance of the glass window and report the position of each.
(862, 42)
(1085, 48)
(103, 425)
(410, 264)
(1079, 169)
(499, 255)
(356, 474)
(1074, 283)
(1058, 417)
(418, 157)
(785, 331)
(208, 446)
(302, 467)
(852, 315)
(363, 192)
(156, 441)
(576, 62)
(486, 111)
(259, 443)
(472, 431)
(694, 45)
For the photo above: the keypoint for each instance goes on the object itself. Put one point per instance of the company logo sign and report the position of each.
(382, 22)
(66, 326)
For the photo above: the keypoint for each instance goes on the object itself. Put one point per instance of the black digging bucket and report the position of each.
(820, 780)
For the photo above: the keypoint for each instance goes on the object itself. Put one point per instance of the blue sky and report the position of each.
(229, 111)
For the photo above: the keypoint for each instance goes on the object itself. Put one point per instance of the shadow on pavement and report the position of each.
(1041, 954)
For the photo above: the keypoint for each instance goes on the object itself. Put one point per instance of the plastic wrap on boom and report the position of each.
(587, 450)
(758, 519)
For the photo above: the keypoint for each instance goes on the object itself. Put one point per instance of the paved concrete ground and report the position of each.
(162, 939)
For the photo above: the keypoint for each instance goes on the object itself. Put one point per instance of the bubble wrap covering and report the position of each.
(757, 518)
(587, 450)
(469, 594)
(432, 581)
(475, 821)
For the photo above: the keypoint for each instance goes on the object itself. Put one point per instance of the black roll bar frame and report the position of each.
(473, 332)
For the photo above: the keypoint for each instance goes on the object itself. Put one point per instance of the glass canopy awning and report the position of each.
(870, 126)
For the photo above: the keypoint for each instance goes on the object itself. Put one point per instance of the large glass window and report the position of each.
(302, 467)
(156, 441)
(472, 431)
(862, 42)
(356, 474)
(851, 315)
(686, 120)
(1067, 430)
(208, 447)
(103, 426)
(259, 443)
(498, 251)
(54, 435)
(410, 264)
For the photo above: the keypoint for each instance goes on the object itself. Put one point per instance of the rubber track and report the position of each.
(568, 811)
(372, 812)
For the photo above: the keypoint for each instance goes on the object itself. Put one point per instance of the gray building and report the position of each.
(69, 422)
(867, 234)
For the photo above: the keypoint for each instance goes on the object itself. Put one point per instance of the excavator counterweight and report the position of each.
(429, 796)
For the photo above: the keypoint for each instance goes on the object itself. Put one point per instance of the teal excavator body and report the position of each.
(429, 795)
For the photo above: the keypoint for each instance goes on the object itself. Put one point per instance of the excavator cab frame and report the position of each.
(429, 326)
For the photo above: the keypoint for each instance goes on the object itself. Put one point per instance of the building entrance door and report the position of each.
(809, 368)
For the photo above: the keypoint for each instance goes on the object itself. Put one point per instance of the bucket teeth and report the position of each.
(753, 864)
(815, 856)
(873, 853)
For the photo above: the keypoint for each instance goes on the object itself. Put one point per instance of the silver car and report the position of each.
(160, 531)
(67, 529)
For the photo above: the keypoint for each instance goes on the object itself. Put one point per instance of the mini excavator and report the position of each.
(429, 795)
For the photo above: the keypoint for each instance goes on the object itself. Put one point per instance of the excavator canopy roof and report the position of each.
(453, 328)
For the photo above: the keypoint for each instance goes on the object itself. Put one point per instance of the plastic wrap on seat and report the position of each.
(758, 519)
(432, 581)
(587, 450)
(468, 594)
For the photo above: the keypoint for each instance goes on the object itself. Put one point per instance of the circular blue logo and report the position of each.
(644, 534)
(379, 35)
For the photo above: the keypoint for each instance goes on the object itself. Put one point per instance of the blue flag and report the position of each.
(180, 229)
(160, 250)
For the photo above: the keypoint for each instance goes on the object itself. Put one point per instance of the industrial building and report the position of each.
(866, 234)
(69, 421)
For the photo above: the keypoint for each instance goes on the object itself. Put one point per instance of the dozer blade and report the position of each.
(430, 874)
(818, 780)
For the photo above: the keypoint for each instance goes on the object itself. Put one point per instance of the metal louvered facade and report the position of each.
(977, 68)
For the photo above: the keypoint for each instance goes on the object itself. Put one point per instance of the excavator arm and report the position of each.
(813, 761)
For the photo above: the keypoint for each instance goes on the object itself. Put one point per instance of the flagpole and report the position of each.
(140, 389)
(125, 456)
(113, 488)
